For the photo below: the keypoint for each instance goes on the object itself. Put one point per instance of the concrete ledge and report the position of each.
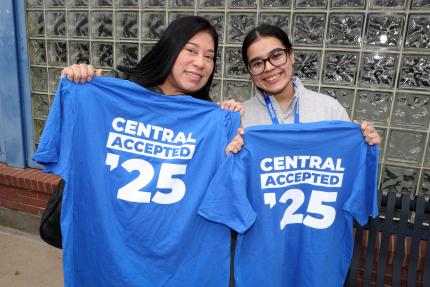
(23, 221)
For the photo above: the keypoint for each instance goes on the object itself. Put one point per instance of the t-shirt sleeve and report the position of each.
(363, 201)
(54, 149)
(226, 201)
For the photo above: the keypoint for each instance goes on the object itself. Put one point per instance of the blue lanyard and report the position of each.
(272, 112)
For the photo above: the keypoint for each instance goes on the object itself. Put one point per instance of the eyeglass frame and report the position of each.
(268, 60)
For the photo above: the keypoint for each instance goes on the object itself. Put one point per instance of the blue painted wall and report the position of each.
(15, 103)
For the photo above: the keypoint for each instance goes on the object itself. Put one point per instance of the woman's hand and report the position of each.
(232, 105)
(80, 73)
(370, 134)
(236, 143)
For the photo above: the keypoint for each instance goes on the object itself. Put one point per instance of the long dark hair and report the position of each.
(155, 66)
(264, 30)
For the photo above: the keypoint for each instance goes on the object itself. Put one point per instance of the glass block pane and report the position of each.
(415, 72)
(242, 3)
(219, 61)
(347, 3)
(384, 30)
(127, 54)
(345, 30)
(54, 3)
(281, 19)
(373, 106)
(239, 25)
(40, 105)
(153, 3)
(411, 110)
(344, 96)
(173, 15)
(240, 91)
(101, 3)
(275, 3)
(307, 66)
(340, 68)
(405, 146)
(425, 184)
(127, 3)
(152, 25)
(311, 3)
(309, 29)
(310, 87)
(399, 179)
(54, 77)
(387, 3)
(382, 133)
(145, 48)
(215, 91)
(38, 126)
(57, 53)
(234, 66)
(181, 3)
(78, 24)
(417, 4)
(101, 24)
(79, 52)
(427, 156)
(418, 34)
(211, 3)
(378, 70)
(77, 3)
(34, 3)
(55, 24)
(37, 52)
(102, 55)
(218, 21)
(35, 23)
(127, 25)
(39, 79)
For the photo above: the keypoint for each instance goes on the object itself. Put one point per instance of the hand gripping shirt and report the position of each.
(292, 194)
(137, 165)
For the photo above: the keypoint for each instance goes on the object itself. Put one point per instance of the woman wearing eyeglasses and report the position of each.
(281, 97)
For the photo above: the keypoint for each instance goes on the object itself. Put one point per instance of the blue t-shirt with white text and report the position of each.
(136, 166)
(292, 194)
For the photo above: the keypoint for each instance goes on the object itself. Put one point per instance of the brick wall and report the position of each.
(26, 190)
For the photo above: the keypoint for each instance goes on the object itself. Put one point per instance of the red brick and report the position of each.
(2, 178)
(43, 196)
(54, 179)
(43, 181)
(33, 181)
(31, 201)
(6, 178)
(4, 194)
(27, 193)
(22, 178)
(8, 189)
(9, 204)
(13, 197)
(28, 208)
(13, 175)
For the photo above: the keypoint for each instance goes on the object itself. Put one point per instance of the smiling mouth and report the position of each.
(273, 78)
(195, 76)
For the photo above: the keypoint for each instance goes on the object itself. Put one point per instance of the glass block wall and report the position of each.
(373, 56)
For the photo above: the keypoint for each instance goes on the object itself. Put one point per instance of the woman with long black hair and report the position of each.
(181, 62)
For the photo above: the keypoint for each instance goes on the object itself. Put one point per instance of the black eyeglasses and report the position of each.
(277, 59)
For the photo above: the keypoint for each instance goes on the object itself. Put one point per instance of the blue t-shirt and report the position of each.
(292, 194)
(137, 165)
